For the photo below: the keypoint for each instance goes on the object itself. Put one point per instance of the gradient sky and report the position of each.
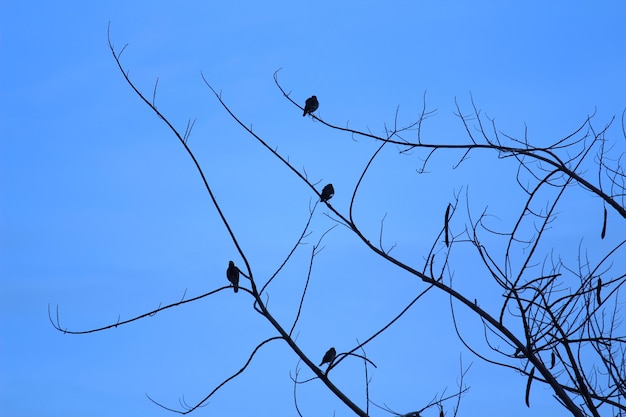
(104, 215)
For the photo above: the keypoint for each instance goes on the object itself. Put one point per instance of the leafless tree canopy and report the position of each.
(558, 322)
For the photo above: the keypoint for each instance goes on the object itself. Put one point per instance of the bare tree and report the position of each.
(558, 321)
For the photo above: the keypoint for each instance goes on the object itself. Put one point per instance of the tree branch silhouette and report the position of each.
(555, 323)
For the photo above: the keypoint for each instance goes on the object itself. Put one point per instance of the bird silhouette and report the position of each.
(232, 273)
(329, 356)
(327, 193)
(310, 105)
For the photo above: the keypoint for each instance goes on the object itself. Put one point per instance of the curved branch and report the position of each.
(57, 324)
(226, 381)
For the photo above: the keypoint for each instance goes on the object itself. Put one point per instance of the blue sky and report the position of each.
(103, 214)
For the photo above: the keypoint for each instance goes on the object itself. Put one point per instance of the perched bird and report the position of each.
(310, 105)
(327, 193)
(329, 356)
(232, 273)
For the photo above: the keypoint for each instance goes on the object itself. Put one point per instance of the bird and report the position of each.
(232, 273)
(327, 193)
(329, 356)
(310, 105)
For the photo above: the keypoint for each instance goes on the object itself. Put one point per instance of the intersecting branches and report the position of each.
(581, 146)
(555, 307)
(556, 324)
(253, 291)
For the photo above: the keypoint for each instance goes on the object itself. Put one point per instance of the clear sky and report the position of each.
(103, 214)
